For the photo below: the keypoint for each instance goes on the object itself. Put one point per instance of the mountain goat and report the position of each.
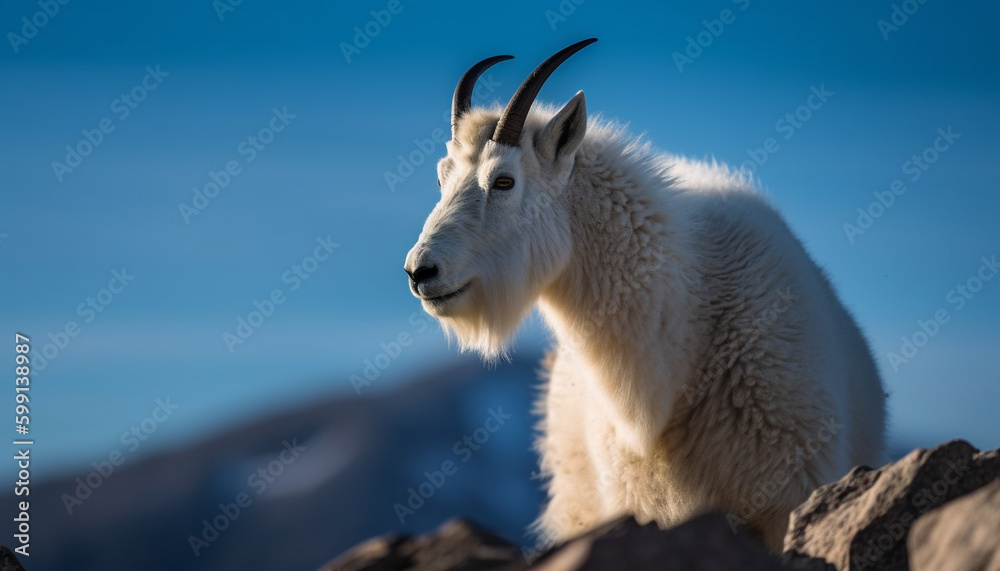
(702, 360)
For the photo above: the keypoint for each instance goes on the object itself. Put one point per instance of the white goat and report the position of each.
(702, 361)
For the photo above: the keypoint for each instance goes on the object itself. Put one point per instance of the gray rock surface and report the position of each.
(455, 545)
(704, 543)
(963, 534)
(8, 561)
(936, 509)
(862, 520)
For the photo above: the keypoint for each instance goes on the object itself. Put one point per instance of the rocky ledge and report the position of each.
(936, 509)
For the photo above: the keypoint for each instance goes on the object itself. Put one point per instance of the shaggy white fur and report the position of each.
(702, 358)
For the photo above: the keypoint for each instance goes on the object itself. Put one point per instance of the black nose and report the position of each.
(423, 273)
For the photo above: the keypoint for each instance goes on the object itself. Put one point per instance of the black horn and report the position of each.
(462, 101)
(508, 130)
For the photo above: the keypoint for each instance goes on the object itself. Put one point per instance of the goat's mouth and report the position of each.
(442, 299)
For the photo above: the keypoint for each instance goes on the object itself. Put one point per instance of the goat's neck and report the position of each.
(623, 305)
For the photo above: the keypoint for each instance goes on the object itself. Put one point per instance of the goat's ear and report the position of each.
(562, 135)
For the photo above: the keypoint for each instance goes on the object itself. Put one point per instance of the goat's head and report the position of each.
(500, 232)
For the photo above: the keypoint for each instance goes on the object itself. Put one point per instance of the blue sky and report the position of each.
(322, 176)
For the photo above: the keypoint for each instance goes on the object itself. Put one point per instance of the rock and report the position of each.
(963, 534)
(704, 543)
(8, 561)
(804, 563)
(862, 520)
(456, 545)
(949, 496)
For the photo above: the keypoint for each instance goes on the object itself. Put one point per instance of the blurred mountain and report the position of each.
(292, 490)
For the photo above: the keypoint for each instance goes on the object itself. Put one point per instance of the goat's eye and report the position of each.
(503, 183)
(439, 182)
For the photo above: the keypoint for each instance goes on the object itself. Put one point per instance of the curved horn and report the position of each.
(508, 131)
(462, 101)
